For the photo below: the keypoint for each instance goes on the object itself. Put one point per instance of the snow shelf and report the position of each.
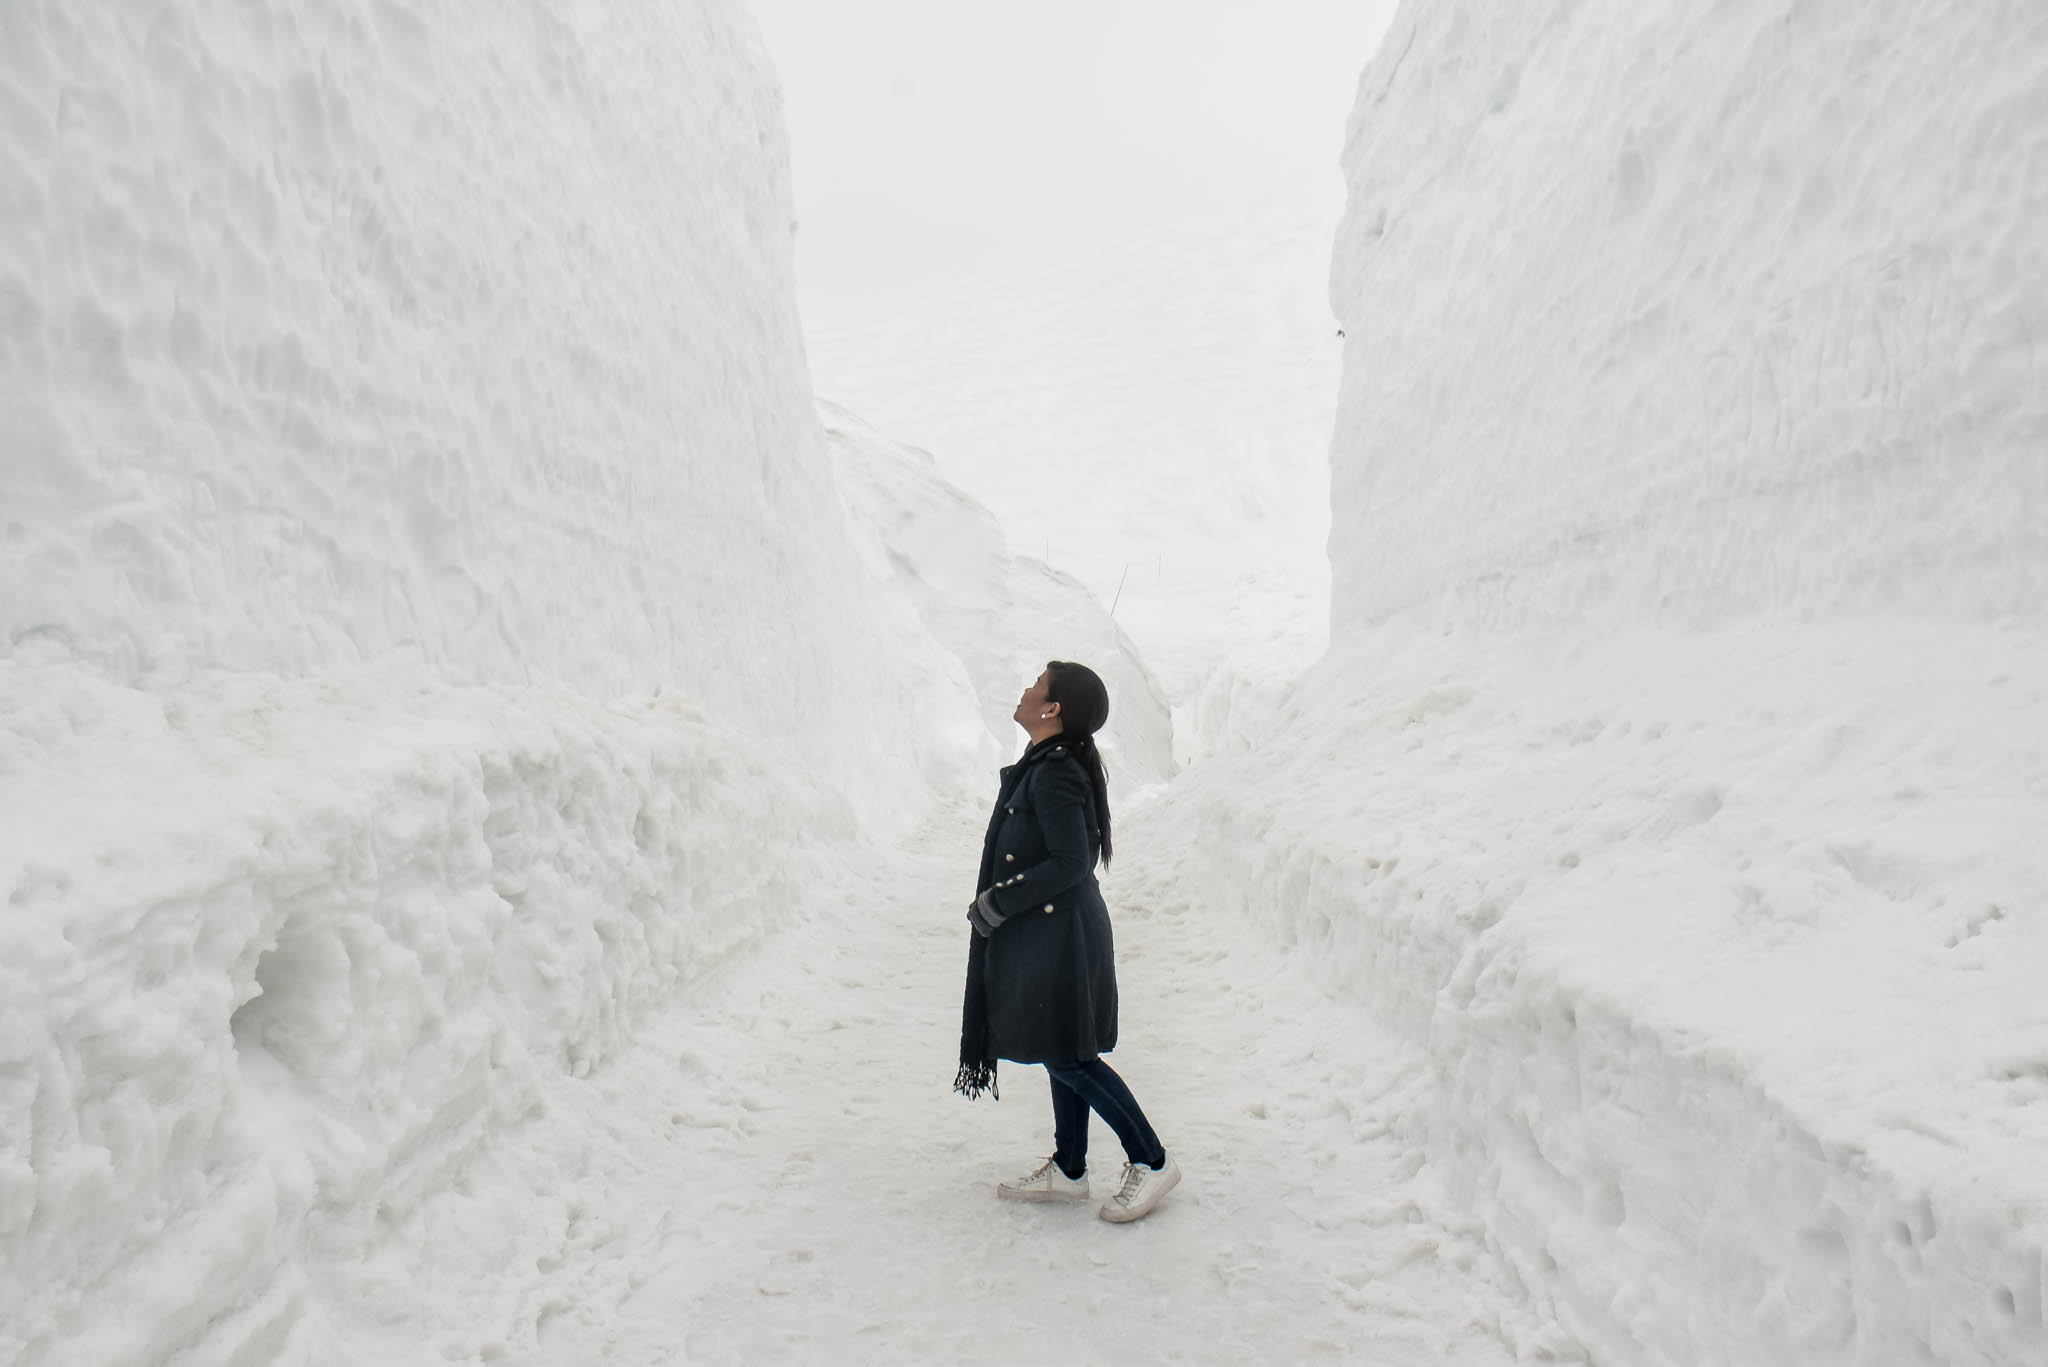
(1727, 950)
(245, 1019)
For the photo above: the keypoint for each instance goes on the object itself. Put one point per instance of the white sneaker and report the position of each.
(1045, 1183)
(1140, 1190)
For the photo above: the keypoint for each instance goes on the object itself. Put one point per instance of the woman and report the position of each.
(1041, 971)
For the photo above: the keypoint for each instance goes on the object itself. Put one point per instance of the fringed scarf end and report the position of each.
(975, 1078)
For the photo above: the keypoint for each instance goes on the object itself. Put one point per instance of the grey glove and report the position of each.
(984, 917)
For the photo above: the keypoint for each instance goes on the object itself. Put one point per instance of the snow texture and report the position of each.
(1676, 772)
(431, 630)
(1686, 315)
(1726, 950)
(934, 552)
(447, 713)
(283, 958)
(775, 1172)
(384, 328)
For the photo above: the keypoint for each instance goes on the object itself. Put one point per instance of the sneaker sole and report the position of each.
(1117, 1215)
(1043, 1197)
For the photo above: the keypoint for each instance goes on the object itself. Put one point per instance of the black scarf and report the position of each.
(977, 1069)
(977, 1065)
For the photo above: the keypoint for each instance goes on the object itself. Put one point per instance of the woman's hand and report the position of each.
(984, 917)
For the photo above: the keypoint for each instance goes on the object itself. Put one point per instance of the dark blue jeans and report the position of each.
(1078, 1088)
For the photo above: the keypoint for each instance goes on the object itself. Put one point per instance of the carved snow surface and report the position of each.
(1678, 772)
(1690, 314)
(428, 631)
(1726, 950)
(937, 554)
(339, 331)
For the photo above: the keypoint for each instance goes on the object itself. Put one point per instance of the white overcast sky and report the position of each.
(1080, 251)
(935, 132)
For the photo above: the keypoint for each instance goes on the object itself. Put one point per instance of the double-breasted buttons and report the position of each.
(1009, 859)
(1048, 908)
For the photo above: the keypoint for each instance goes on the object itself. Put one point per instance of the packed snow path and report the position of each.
(778, 1173)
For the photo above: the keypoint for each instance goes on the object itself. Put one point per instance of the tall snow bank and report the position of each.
(342, 331)
(1000, 616)
(1726, 950)
(282, 956)
(1691, 394)
(1684, 315)
(428, 628)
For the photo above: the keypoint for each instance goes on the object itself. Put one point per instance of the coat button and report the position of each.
(1048, 908)
(1009, 859)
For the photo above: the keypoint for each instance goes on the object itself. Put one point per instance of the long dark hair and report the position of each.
(1084, 707)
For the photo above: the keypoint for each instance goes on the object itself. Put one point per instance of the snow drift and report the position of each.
(282, 956)
(1725, 949)
(1676, 772)
(936, 553)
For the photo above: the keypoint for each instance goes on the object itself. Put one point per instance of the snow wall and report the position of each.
(1676, 771)
(431, 631)
(1689, 315)
(941, 557)
(384, 328)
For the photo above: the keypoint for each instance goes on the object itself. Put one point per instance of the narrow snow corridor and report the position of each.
(504, 507)
(776, 1172)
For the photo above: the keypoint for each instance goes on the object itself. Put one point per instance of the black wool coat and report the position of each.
(1047, 975)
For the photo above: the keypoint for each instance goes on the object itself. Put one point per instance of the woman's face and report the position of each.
(1032, 707)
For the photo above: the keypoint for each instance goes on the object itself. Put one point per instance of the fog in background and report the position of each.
(1081, 254)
